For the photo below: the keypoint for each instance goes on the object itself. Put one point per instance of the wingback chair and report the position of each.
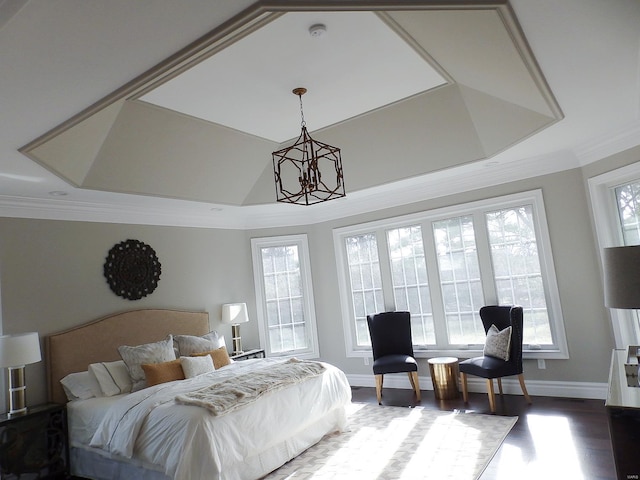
(489, 366)
(392, 347)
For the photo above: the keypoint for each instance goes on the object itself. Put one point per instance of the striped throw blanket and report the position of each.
(231, 394)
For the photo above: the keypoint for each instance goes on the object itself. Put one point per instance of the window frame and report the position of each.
(308, 303)
(478, 210)
(626, 330)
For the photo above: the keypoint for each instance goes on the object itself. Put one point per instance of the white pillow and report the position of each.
(194, 366)
(134, 357)
(498, 343)
(113, 377)
(80, 386)
(190, 344)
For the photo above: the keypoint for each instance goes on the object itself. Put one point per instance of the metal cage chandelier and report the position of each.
(297, 169)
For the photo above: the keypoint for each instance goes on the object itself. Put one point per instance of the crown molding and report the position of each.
(604, 147)
(130, 209)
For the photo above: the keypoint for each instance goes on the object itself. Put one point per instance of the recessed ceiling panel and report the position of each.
(357, 65)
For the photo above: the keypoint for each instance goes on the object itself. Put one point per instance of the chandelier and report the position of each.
(308, 171)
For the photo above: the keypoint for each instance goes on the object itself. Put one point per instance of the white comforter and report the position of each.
(189, 443)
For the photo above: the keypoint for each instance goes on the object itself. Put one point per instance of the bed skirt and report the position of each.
(92, 463)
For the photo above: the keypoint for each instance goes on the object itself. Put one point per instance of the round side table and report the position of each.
(444, 376)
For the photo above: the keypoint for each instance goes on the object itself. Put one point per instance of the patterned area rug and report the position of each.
(386, 443)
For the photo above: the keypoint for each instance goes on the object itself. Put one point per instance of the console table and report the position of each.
(623, 414)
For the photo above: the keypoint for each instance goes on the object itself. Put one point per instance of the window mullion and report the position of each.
(484, 259)
(437, 303)
(385, 271)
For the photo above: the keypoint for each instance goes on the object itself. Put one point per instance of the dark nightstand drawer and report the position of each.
(34, 445)
(256, 353)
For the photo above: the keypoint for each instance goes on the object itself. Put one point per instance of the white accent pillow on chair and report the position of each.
(498, 343)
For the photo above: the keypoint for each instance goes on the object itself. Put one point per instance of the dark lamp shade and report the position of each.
(622, 277)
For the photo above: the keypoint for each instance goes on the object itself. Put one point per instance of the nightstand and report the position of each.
(256, 353)
(34, 445)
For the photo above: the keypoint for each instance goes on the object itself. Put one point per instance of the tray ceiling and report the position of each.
(402, 92)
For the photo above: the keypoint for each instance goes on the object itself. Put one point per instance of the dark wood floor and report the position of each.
(553, 439)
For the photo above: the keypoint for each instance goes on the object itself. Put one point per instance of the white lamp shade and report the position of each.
(621, 267)
(19, 350)
(234, 313)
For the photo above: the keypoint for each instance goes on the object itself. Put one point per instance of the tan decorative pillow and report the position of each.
(220, 357)
(164, 372)
(498, 343)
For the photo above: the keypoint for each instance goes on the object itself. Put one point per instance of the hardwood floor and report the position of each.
(553, 439)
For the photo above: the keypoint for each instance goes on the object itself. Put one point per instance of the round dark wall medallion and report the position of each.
(132, 269)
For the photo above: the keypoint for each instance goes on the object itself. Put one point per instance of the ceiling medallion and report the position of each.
(132, 269)
(308, 171)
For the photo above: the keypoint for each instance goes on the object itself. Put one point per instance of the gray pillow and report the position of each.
(498, 343)
(134, 357)
(190, 344)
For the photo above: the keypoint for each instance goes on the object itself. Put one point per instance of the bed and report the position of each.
(172, 430)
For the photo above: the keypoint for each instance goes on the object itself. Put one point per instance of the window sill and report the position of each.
(464, 353)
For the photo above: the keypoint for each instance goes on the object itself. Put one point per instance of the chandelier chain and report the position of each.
(302, 123)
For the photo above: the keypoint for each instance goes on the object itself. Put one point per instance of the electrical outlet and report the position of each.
(541, 364)
(366, 360)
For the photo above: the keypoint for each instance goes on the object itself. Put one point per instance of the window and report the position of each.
(517, 272)
(628, 214)
(365, 281)
(282, 275)
(460, 281)
(615, 198)
(443, 265)
(410, 282)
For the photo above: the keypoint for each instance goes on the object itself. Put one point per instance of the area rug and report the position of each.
(395, 443)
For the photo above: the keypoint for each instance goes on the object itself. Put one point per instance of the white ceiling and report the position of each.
(58, 58)
(284, 55)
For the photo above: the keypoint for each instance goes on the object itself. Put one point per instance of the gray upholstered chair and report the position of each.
(489, 366)
(392, 347)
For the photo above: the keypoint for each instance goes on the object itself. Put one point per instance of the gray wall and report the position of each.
(51, 276)
(588, 331)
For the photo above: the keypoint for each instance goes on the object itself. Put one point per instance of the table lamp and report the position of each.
(16, 351)
(235, 313)
(621, 267)
(622, 277)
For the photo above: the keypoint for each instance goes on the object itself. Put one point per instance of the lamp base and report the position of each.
(17, 391)
(237, 340)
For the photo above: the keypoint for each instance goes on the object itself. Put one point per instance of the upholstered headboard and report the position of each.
(73, 350)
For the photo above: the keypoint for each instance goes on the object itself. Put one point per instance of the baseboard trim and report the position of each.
(509, 385)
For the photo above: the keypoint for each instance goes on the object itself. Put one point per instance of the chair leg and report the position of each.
(379, 388)
(492, 396)
(524, 389)
(463, 381)
(500, 386)
(415, 383)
